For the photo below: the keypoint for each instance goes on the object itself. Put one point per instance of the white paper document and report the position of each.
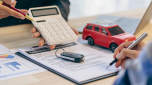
(3, 49)
(94, 65)
(12, 66)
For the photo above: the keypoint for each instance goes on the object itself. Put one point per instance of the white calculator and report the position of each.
(50, 23)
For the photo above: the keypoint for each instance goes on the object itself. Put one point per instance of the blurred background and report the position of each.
(84, 8)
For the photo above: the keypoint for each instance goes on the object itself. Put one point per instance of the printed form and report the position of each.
(94, 65)
(12, 66)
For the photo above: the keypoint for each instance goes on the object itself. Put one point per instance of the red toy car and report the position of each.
(106, 36)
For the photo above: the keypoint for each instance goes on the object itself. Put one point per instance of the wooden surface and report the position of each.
(20, 36)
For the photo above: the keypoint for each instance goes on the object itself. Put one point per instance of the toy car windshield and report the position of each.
(115, 30)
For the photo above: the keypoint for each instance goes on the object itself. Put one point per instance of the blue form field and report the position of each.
(13, 66)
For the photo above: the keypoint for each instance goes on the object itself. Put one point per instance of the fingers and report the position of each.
(52, 47)
(75, 31)
(121, 63)
(16, 14)
(10, 2)
(24, 11)
(11, 12)
(122, 54)
(118, 63)
(13, 4)
(41, 42)
(36, 35)
(123, 45)
(125, 54)
(132, 54)
(3, 14)
(122, 57)
(34, 30)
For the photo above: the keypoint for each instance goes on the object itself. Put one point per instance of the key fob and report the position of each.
(74, 57)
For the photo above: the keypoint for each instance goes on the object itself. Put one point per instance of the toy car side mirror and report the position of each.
(106, 33)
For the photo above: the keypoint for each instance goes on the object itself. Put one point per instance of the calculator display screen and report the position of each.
(44, 12)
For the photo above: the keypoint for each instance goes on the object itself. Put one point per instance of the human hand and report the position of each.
(5, 11)
(10, 2)
(37, 34)
(125, 53)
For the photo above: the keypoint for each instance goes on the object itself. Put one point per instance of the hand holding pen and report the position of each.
(127, 50)
(6, 11)
(122, 51)
(7, 8)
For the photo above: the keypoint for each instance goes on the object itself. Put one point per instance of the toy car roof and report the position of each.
(104, 25)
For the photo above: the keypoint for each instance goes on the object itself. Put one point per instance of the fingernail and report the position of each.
(52, 47)
(40, 44)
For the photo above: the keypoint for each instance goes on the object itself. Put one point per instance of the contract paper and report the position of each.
(94, 65)
(12, 66)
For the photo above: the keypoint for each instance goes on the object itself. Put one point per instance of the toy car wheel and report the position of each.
(113, 47)
(90, 41)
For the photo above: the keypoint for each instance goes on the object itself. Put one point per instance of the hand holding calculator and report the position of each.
(51, 25)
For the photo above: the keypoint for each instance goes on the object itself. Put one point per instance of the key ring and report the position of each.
(58, 51)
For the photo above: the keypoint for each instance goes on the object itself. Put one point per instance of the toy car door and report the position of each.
(97, 35)
(104, 37)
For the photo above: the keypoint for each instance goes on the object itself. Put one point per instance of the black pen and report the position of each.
(134, 43)
(45, 48)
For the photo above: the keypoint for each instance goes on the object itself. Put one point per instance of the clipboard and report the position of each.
(21, 54)
(64, 76)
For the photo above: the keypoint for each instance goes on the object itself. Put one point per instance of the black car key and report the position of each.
(74, 57)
